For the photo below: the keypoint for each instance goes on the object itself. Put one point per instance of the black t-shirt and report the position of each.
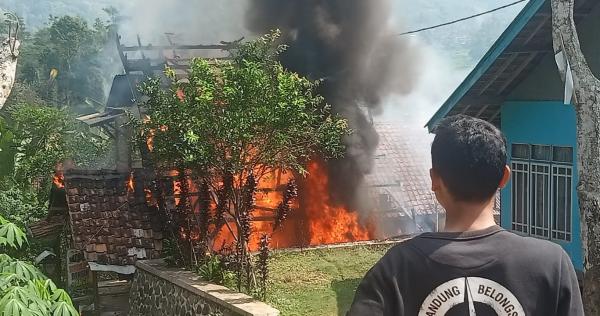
(478, 273)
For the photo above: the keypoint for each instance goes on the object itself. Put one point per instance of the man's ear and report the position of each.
(435, 180)
(505, 177)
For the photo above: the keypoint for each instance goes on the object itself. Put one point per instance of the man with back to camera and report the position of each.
(474, 267)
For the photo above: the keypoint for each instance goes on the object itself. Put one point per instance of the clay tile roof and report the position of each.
(48, 227)
(110, 224)
(401, 169)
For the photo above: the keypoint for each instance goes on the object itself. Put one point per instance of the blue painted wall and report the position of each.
(543, 122)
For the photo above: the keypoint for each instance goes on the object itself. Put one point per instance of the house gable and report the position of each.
(543, 82)
(489, 61)
(520, 50)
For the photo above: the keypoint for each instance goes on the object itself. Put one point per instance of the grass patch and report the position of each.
(319, 282)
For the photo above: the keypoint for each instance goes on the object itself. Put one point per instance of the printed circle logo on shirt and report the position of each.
(469, 290)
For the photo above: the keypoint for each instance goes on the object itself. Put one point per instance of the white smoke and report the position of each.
(436, 81)
(191, 21)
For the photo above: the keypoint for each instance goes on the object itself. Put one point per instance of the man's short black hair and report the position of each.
(469, 155)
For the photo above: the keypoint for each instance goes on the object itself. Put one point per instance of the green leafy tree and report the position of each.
(233, 122)
(63, 61)
(38, 138)
(20, 205)
(24, 290)
(232, 117)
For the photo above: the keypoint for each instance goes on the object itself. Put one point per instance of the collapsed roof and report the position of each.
(143, 61)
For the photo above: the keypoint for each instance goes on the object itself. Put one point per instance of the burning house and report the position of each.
(378, 190)
(114, 216)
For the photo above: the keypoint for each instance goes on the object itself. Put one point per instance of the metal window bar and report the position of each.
(562, 178)
(520, 197)
(540, 200)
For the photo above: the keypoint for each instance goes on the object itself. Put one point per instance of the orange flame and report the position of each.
(177, 191)
(59, 180)
(329, 223)
(315, 220)
(149, 198)
(150, 141)
(151, 134)
(130, 185)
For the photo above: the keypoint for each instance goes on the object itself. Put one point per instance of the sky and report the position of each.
(449, 52)
(444, 47)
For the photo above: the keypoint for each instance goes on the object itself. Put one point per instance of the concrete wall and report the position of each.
(159, 290)
(545, 123)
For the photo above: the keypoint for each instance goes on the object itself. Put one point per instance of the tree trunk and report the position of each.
(9, 50)
(587, 108)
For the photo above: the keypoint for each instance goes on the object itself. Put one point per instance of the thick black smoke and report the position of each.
(349, 44)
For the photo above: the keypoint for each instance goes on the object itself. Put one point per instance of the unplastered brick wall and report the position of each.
(159, 290)
(111, 222)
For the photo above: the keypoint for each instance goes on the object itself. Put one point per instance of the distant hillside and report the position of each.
(464, 42)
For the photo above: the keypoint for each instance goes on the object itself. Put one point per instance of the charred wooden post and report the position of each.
(245, 229)
(123, 144)
(223, 200)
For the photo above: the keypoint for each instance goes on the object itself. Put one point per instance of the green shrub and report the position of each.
(214, 270)
(24, 290)
(19, 205)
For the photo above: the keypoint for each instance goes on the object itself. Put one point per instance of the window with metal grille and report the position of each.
(542, 190)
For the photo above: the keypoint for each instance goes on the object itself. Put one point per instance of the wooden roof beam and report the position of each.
(507, 62)
(481, 100)
(537, 29)
(517, 72)
(122, 55)
(171, 47)
(541, 48)
(483, 108)
(491, 119)
(465, 109)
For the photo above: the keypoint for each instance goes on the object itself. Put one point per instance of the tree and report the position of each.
(232, 122)
(24, 290)
(63, 61)
(35, 139)
(9, 51)
(587, 109)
